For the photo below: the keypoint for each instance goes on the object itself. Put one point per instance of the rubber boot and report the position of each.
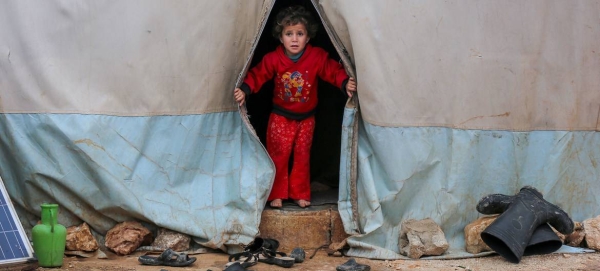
(543, 240)
(511, 232)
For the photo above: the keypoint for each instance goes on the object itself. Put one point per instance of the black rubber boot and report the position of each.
(511, 232)
(543, 240)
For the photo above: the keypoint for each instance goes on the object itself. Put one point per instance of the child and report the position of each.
(295, 65)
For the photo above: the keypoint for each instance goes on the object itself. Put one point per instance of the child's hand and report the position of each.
(240, 96)
(351, 86)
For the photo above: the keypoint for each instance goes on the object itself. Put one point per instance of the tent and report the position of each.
(123, 110)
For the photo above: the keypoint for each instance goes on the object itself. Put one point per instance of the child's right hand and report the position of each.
(239, 96)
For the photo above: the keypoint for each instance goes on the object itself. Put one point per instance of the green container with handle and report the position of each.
(49, 238)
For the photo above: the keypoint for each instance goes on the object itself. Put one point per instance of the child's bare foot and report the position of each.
(302, 203)
(276, 203)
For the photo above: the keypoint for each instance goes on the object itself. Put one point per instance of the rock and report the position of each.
(171, 239)
(576, 238)
(592, 232)
(422, 237)
(80, 238)
(473, 241)
(126, 237)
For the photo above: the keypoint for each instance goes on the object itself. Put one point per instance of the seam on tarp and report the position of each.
(487, 128)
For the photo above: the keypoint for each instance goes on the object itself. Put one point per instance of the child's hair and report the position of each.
(292, 16)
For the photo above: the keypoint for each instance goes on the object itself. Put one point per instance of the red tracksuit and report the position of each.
(292, 122)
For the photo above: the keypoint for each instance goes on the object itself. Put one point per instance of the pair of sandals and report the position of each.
(264, 250)
(168, 258)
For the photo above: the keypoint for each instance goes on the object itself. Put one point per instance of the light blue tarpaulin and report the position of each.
(185, 173)
(442, 173)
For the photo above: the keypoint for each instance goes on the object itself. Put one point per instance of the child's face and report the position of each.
(294, 38)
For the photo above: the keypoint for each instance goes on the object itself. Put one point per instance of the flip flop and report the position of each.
(269, 258)
(236, 266)
(168, 258)
(243, 259)
(352, 265)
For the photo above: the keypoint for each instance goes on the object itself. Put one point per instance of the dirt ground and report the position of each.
(321, 261)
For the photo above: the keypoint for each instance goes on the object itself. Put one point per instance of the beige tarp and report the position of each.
(124, 58)
(516, 65)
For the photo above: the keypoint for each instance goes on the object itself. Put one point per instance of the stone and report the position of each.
(126, 237)
(474, 243)
(305, 228)
(171, 239)
(592, 232)
(422, 237)
(576, 237)
(80, 238)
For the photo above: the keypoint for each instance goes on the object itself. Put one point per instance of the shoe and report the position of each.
(246, 259)
(281, 261)
(543, 240)
(236, 266)
(168, 258)
(511, 232)
(258, 244)
(352, 265)
(263, 250)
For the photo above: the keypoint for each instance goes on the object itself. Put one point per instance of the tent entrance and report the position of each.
(325, 152)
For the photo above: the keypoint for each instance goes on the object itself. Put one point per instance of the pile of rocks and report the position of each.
(125, 238)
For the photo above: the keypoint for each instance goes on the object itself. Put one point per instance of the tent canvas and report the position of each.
(120, 110)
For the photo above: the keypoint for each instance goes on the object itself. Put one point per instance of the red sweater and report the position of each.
(295, 93)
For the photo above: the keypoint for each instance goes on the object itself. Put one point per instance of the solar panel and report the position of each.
(14, 245)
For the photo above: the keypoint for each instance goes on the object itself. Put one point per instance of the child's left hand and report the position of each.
(351, 86)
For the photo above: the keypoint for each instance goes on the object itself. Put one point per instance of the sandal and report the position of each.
(284, 261)
(236, 266)
(168, 258)
(243, 259)
(263, 250)
(352, 265)
(262, 243)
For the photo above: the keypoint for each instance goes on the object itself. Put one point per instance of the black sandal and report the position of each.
(272, 258)
(236, 266)
(352, 265)
(246, 258)
(168, 258)
(264, 250)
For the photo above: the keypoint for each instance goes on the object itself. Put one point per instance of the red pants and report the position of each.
(283, 135)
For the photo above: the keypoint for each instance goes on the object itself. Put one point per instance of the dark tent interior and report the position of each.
(325, 151)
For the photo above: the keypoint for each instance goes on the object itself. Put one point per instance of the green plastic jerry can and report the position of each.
(49, 238)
